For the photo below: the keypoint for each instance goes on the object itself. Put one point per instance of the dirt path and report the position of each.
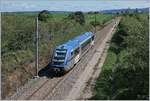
(70, 85)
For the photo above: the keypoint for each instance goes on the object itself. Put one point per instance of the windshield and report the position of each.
(59, 56)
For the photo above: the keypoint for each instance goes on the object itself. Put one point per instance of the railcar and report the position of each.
(66, 55)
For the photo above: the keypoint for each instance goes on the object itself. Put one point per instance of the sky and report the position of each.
(69, 5)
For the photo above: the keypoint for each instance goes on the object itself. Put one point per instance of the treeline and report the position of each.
(125, 74)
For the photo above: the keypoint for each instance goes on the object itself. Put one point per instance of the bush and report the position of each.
(44, 15)
(78, 17)
(93, 23)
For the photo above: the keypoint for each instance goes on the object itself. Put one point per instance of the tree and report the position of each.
(44, 15)
(78, 17)
(130, 78)
(135, 74)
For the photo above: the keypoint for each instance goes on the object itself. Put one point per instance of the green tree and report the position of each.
(44, 15)
(78, 17)
(128, 80)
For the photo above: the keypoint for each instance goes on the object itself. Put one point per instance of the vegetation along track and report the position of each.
(59, 87)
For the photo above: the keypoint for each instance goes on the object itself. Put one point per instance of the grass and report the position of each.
(110, 61)
(122, 55)
(102, 86)
(101, 18)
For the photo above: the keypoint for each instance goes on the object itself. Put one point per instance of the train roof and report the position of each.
(71, 44)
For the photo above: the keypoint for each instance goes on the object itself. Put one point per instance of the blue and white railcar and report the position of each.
(65, 56)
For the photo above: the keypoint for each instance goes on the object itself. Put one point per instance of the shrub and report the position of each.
(78, 17)
(44, 15)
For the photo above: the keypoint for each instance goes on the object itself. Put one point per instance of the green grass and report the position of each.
(110, 61)
(102, 87)
(122, 55)
(20, 13)
(101, 18)
(60, 16)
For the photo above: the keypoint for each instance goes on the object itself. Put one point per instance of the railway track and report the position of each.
(84, 62)
(34, 94)
(53, 88)
(57, 82)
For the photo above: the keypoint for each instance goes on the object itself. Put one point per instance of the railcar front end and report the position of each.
(65, 56)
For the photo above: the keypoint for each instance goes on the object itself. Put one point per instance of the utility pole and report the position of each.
(37, 48)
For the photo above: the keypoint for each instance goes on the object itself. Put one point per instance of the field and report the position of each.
(18, 43)
(125, 73)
